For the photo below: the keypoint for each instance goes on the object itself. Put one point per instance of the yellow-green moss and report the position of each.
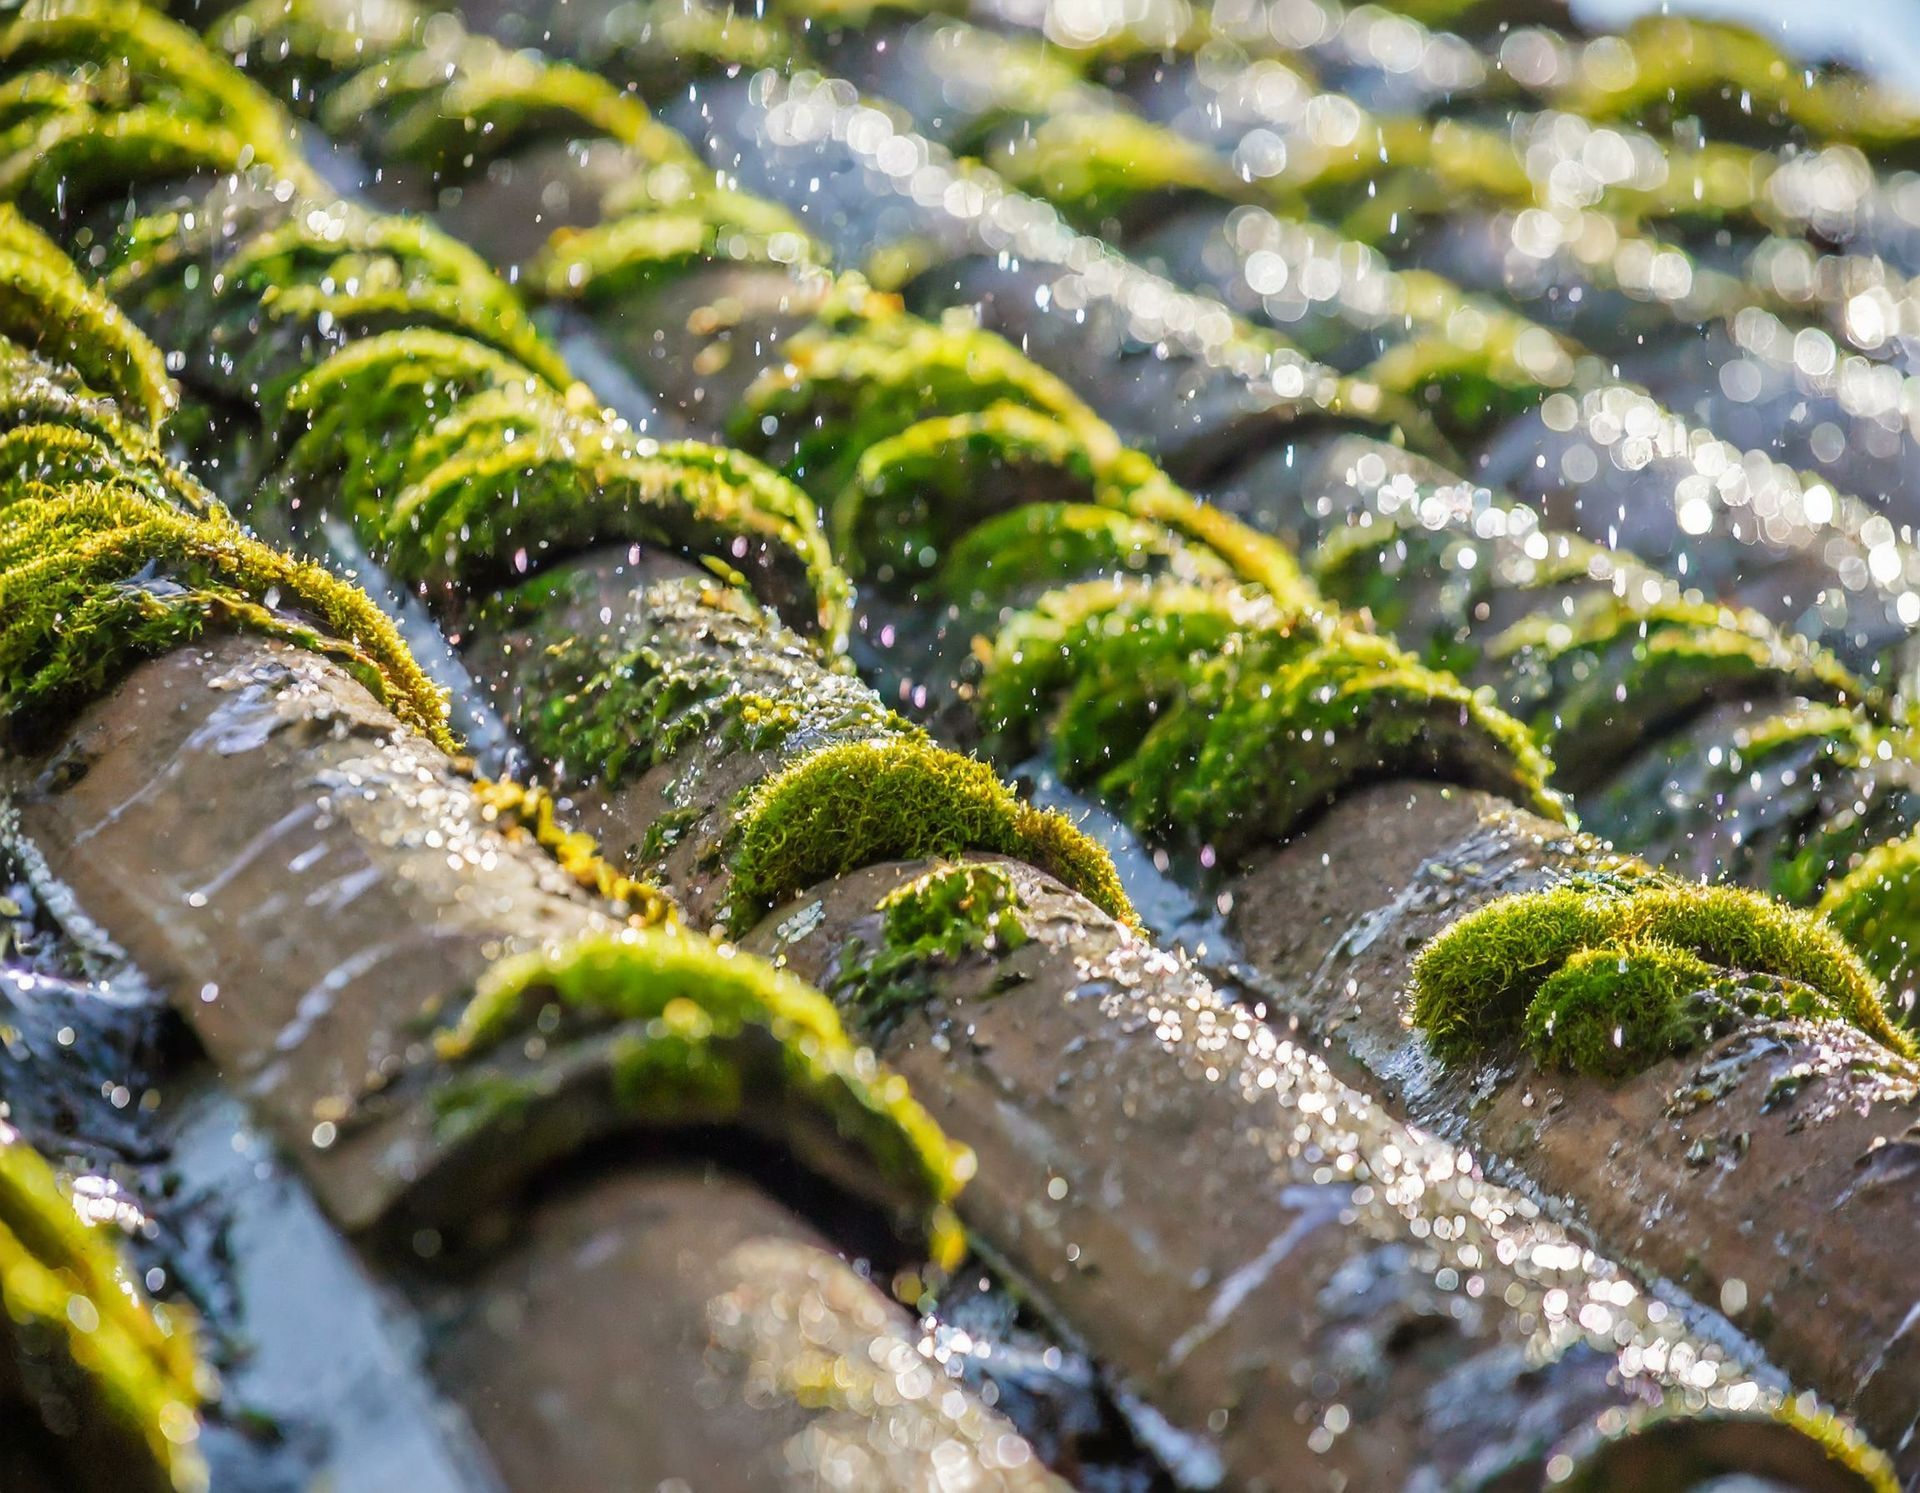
(1095, 166)
(1227, 716)
(532, 811)
(916, 494)
(47, 308)
(126, 53)
(70, 160)
(97, 576)
(1677, 1445)
(1876, 908)
(641, 247)
(459, 100)
(931, 923)
(858, 803)
(53, 432)
(843, 390)
(62, 1281)
(1045, 545)
(710, 663)
(696, 1003)
(1675, 66)
(1480, 981)
(1635, 662)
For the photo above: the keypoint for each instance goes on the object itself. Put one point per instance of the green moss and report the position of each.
(1483, 366)
(48, 309)
(459, 100)
(132, 52)
(931, 923)
(365, 404)
(488, 505)
(639, 251)
(712, 664)
(858, 803)
(97, 576)
(678, 38)
(1044, 545)
(71, 160)
(1097, 167)
(844, 390)
(1677, 66)
(697, 1007)
(1876, 908)
(1480, 981)
(62, 1281)
(1613, 1011)
(531, 810)
(1228, 717)
(52, 432)
(304, 39)
(1616, 665)
(915, 495)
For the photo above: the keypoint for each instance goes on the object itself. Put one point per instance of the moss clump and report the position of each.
(97, 576)
(1471, 386)
(1227, 716)
(62, 1282)
(858, 803)
(844, 389)
(684, 220)
(696, 1011)
(73, 159)
(1876, 908)
(914, 495)
(531, 810)
(1044, 545)
(1616, 667)
(1611, 1012)
(1735, 79)
(1481, 980)
(1100, 167)
(46, 308)
(456, 101)
(933, 922)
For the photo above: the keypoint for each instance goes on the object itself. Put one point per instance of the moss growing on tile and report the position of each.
(915, 495)
(1876, 908)
(696, 1013)
(1044, 545)
(1617, 666)
(858, 803)
(844, 390)
(933, 922)
(1226, 717)
(62, 1282)
(1097, 167)
(456, 101)
(95, 577)
(46, 308)
(1479, 982)
(641, 248)
(531, 810)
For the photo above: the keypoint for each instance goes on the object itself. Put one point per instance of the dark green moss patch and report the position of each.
(932, 923)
